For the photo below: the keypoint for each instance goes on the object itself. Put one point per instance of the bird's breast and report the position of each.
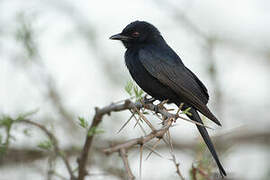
(136, 69)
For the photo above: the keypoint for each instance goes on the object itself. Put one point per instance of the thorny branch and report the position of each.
(126, 105)
(232, 138)
(123, 147)
(139, 141)
(88, 142)
(168, 119)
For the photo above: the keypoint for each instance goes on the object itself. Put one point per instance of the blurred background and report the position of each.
(57, 61)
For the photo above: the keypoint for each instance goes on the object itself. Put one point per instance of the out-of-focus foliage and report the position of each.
(56, 56)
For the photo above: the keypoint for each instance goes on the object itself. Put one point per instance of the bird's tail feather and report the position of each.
(195, 116)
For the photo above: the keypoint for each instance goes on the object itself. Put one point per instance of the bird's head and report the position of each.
(137, 33)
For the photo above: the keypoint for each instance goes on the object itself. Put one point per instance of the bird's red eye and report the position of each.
(135, 34)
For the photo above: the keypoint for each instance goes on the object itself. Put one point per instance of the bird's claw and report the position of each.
(156, 109)
(150, 100)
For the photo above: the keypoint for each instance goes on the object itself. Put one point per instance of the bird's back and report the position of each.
(160, 58)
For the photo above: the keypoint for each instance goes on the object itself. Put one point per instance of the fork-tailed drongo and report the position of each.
(160, 72)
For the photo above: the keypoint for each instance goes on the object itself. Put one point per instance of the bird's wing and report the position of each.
(169, 70)
(203, 88)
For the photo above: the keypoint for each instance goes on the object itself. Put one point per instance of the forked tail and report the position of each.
(195, 116)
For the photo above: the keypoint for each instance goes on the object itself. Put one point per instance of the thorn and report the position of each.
(163, 102)
(144, 132)
(137, 121)
(170, 140)
(144, 119)
(153, 148)
(165, 141)
(179, 108)
(141, 151)
(155, 152)
(125, 123)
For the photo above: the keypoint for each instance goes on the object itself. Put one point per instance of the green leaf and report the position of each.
(6, 121)
(94, 130)
(128, 87)
(138, 93)
(3, 149)
(27, 114)
(3, 146)
(186, 111)
(82, 122)
(26, 132)
(62, 153)
(46, 145)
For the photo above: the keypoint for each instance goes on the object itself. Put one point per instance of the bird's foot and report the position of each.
(156, 109)
(161, 104)
(148, 100)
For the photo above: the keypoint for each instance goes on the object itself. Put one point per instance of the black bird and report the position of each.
(160, 72)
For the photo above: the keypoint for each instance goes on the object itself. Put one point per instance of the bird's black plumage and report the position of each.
(159, 71)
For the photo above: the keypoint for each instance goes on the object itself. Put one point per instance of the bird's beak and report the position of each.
(119, 37)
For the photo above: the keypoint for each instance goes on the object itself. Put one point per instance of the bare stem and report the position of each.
(124, 157)
(55, 144)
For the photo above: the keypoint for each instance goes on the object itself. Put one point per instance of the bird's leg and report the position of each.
(147, 101)
(160, 106)
(156, 109)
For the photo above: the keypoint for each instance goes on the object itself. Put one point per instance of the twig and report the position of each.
(54, 141)
(194, 172)
(144, 118)
(124, 125)
(161, 104)
(194, 122)
(124, 157)
(51, 167)
(173, 157)
(177, 167)
(153, 148)
(141, 127)
(138, 141)
(203, 174)
(96, 120)
(165, 113)
(141, 154)
(137, 120)
(180, 108)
